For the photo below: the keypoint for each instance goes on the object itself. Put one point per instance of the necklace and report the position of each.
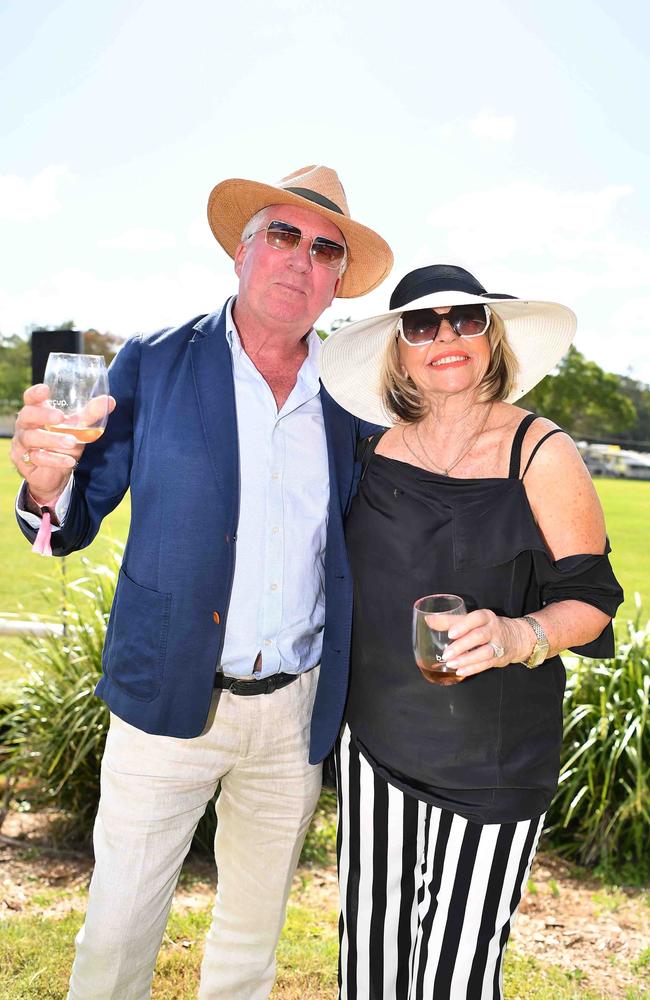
(439, 468)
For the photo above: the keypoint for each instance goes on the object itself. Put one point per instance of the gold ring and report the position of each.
(26, 458)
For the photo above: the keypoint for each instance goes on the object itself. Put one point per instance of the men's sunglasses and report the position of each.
(421, 326)
(282, 236)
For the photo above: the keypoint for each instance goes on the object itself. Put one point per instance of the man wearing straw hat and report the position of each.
(240, 470)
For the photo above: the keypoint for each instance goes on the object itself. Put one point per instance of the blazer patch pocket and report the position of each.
(136, 639)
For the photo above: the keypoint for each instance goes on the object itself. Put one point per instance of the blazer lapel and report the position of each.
(341, 435)
(211, 363)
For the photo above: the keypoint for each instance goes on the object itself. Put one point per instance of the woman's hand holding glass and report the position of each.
(482, 640)
(449, 644)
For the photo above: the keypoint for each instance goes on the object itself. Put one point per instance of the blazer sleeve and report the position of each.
(102, 477)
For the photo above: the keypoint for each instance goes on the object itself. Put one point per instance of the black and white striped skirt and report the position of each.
(427, 897)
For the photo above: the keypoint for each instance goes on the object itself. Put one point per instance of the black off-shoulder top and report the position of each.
(487, 748)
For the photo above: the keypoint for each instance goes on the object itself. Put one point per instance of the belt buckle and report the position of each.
(242, 687)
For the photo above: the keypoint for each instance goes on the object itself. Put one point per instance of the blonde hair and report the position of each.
(403, 399)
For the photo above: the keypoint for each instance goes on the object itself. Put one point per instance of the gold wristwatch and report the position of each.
(541, 647)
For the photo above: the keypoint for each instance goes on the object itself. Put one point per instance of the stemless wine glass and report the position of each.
(78, 385)
(432, 619)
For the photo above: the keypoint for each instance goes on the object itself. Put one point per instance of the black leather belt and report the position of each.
(239, 685)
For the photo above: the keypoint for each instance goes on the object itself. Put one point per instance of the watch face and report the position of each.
(537, 656)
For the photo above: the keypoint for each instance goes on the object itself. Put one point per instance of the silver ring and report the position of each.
(498, 650)
(26, 458)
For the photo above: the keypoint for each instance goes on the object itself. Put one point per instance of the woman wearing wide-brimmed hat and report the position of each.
(443, 788)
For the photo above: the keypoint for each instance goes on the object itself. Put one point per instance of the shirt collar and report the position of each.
(232, 336)
(309, 371)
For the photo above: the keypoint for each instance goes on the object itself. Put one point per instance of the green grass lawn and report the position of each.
(31, 584)
(626, 504)
(29, 581)
(36, 954)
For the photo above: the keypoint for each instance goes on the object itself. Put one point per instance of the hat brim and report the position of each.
(539, 333)
(233, 202)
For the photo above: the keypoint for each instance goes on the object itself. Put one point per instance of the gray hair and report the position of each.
(257, 221)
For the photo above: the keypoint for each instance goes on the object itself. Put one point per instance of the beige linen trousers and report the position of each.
(154, 790)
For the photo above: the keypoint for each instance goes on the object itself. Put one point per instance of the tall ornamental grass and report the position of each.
(54, 734)
(601, 813)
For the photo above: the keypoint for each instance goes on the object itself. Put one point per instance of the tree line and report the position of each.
(589, 402)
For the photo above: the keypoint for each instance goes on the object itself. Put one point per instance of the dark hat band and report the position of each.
(318, 199)
(434, 278)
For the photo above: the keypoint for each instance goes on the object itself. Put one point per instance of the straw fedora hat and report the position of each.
(539, 333)
(233, 202)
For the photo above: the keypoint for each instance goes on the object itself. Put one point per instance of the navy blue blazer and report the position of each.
(173, 441)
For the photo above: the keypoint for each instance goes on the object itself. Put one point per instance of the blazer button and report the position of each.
(217, 617)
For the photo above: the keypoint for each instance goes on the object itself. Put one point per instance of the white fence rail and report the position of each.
(14, 626)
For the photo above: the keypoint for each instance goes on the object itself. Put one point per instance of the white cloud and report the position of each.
(525, 217)
(24, 199)
(499, 128)
(146, 240)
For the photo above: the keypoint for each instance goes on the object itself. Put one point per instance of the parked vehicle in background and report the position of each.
(613, 461)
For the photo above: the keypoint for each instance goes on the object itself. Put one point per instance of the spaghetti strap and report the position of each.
(517, 441)
(366, 449)
(556, 430)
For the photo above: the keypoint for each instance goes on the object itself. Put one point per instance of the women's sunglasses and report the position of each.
(421, 326)
(282, 236)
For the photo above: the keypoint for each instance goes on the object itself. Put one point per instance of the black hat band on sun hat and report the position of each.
(318, 199)
(434, 278)
(439, 278)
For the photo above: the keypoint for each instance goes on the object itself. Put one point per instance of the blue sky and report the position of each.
(508, 136)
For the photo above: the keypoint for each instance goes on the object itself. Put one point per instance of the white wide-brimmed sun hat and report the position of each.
(233, 202)
(539, 334)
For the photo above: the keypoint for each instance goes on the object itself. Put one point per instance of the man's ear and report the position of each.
(240, 253)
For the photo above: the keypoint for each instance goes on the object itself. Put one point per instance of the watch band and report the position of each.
(541, 647)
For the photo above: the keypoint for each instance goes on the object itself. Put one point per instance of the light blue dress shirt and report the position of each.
(277, 606)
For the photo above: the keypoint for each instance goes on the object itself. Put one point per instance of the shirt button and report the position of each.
(268, 642)
(275, 475)
(274, 586)
(275, 530)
